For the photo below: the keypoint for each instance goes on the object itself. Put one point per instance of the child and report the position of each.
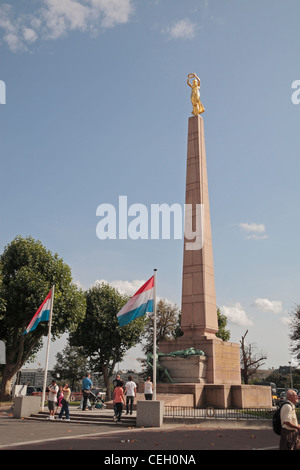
(118, 400)
(60, 396)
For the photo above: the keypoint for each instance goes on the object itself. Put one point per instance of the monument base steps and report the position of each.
(219, 395)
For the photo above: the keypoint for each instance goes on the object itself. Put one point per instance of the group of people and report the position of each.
(128, 390)
(59, 397)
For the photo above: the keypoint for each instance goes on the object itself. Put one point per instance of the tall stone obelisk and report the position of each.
(199, 320)
(198, 308)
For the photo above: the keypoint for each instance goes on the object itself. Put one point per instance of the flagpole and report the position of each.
(48, 349)
(154, 337)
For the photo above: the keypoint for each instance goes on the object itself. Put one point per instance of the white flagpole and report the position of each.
(47, 353)
(154, 338)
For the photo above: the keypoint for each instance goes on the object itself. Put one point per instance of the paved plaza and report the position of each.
(23, 434)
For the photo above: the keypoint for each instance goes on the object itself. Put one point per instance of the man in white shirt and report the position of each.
(130, 391)
(52, 398)
(289, 439)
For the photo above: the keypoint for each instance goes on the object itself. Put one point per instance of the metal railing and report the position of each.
(215, 413)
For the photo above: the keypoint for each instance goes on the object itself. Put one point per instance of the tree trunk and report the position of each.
(7, 376)
(11, 368)
(107, 373)
(106, 380)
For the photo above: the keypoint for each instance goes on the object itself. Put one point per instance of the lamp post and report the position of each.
(291, 374)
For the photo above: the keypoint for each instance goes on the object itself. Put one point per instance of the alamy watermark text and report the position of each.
(160, 222)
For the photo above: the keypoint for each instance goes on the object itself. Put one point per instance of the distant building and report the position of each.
(124, 374)
(33, 377)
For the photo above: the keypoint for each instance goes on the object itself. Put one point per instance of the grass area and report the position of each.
(257, 413)
(6, 403)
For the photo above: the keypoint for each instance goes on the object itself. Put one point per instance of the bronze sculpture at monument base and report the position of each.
(222, 359)
(214, 378)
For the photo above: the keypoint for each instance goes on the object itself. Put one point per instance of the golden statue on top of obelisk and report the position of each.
(198, 107)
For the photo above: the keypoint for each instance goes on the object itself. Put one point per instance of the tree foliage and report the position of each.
(295, 331)
(167, 325)
(222, 323)
(71, 365)
(103, 341)
(28, 271)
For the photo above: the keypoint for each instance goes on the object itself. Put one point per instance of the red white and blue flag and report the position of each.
(139, 304)
(42, 314)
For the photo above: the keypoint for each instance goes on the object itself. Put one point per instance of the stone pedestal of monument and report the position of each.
(220, 365)
(186, 369)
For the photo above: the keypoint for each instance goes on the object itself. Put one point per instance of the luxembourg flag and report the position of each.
(42, 314)
(139, 304)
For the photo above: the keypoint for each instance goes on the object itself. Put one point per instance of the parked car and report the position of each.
(282, 397)
(33, 390)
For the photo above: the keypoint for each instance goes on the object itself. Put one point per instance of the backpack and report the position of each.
(277, 419)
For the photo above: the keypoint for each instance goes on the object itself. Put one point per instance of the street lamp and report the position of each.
(291, 374)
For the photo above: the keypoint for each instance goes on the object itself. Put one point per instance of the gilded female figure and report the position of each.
(195, 94)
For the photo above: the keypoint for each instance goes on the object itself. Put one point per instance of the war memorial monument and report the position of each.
(199, 363)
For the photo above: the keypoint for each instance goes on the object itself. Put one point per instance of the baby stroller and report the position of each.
(95, 400)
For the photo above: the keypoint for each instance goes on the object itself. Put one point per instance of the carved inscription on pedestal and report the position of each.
(227, 362)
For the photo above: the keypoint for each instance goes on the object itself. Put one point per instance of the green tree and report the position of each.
(168, 321)
(28, 272)
(71, 365)
(2, 299)
(103, 341)
(295, 331)
(167, 325)
(222, 323)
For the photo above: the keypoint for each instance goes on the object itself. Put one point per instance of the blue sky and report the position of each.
(97, 106)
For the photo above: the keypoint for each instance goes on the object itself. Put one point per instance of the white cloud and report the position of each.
(259, 228)
(285, 321)
(256, 231)
(236, 314)
(29, 35)
(113, 11)
(124, 287)
(130, 288)
(183, 29)
(257, 237)
(56, 18)
(13, 41)
(59, 17)
(79, 285)
(10, 28)
(267, 305)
